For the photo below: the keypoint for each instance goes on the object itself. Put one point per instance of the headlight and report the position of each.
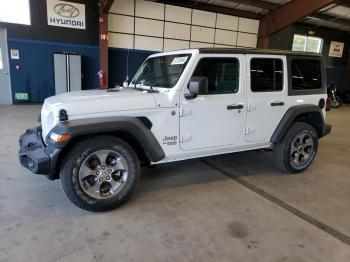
(59, 137)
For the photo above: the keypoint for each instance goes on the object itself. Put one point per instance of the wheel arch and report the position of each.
(310, 114)
(135, 131)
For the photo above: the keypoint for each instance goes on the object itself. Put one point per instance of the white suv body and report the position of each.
(230, 116)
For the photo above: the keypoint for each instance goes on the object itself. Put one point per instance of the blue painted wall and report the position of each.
(36, 70)
(38, 42)
(118, 64)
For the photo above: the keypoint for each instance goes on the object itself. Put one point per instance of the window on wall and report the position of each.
(304, 43)
(222, 74)
(306, 74)
(15, 11)
(266, 74)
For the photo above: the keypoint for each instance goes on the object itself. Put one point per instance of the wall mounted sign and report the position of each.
(14, 54)
(22, 96)
(336, 49)
(65, 14)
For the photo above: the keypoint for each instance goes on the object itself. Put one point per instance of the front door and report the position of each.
(5, 85)
(266, 95)
(217, 117)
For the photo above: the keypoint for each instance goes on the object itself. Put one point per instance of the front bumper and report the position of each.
(35, 155)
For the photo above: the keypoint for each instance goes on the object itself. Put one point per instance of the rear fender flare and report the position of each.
(291, 116)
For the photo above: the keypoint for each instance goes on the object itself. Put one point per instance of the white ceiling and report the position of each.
(338, 17)
(332, 16)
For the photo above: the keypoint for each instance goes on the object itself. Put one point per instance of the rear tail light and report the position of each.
(321, 103)
(328, 104)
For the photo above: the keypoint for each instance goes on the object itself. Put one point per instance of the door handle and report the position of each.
(231, 107)
(277, 103)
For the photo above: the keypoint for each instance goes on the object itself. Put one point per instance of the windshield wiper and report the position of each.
(151, 89)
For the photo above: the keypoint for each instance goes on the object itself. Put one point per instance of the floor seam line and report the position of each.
(309, 219)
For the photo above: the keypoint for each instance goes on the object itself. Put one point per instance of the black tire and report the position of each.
(74, 160)
(282, 152)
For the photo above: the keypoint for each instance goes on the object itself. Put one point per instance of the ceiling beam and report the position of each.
(105, 6)
(209, 8)
(285, 15)
(256, 3)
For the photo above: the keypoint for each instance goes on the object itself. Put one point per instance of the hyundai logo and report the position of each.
(66, 10)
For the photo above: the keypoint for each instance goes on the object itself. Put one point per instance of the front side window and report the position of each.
(161, 71)
(222, 74)
(306, 74)
(266, 74)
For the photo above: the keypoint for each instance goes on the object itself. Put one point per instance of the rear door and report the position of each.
(267, 89)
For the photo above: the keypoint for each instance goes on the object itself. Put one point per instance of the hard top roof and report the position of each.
(255, 51)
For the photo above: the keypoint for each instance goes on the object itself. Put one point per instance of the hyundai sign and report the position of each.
(65, 14)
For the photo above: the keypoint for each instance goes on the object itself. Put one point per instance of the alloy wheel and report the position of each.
(103, 174)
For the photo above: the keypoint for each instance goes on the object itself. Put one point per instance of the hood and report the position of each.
(99, 101)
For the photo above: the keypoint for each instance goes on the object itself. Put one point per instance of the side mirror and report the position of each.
(196, 86)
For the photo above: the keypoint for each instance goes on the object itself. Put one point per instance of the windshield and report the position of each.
(161, 71)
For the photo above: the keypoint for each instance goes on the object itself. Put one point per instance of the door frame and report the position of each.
(6, 97)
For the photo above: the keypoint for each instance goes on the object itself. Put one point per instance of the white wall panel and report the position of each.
(246, 40)
(227, 22)
(170, 44)
(159, 26)
(120, 40)
(178, 14)
(125, 7)
(149, 27)
(202, 34)
(248, 25)
(148, 43)
(121, 23)
(200, 45)
(177, 31)
(203, 18)
(225, 37)
(149, 9)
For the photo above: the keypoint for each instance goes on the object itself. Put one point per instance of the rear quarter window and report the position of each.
(306, 74)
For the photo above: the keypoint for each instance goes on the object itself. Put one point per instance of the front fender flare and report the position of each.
(130, 125)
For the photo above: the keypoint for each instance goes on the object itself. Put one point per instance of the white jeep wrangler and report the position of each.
(180, 105)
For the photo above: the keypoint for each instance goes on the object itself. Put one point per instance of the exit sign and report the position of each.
(22, 96)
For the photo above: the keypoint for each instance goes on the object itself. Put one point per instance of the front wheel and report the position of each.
(298, 149)
(100, 173)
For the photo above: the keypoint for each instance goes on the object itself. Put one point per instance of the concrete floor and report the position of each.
(184, 211)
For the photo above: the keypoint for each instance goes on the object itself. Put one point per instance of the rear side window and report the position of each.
(222, 74)
(266, 74)
(306, 74)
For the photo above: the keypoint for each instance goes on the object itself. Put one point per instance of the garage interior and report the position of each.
(221, 208)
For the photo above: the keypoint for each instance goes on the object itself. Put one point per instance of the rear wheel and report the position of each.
(298, 149)
(100, 173)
